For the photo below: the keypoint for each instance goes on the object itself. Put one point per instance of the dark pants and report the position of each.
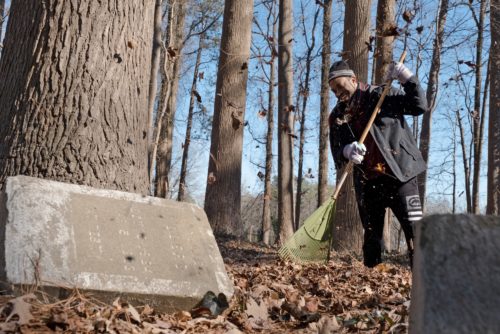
(373, 197)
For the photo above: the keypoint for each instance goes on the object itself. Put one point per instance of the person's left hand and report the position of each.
(398, 71)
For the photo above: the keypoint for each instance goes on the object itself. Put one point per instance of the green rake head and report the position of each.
(311, 243)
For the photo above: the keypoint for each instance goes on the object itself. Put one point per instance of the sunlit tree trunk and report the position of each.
(468, 197)
(80, 117)
(431, 94)
(285, 120)
(223, 192)
(348, 228)
(324, 104)
(384, 39)
(493, 202)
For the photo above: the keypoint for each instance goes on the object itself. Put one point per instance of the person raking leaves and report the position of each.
(387, 164)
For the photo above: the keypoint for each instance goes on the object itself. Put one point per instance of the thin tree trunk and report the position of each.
(493, 202)
(324, 105)
(454, 162)
(2, 14)
(164, 155)
(466, 163)
(153, 81)
(384, 40)
(477, 106)
(187, 141)
(431, 94)
(266, 210)
(302, 130)
(285, 120)
(79, 118)
(347, 224)
(223, 193)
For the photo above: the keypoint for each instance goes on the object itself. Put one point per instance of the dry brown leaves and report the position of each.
(270, 297)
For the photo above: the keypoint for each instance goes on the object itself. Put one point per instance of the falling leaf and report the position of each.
(420, 29)
(391, 30)
(211, 178)
(201, 75)
(408, 16)
(244, 66)
(262, 113)
(260, 175)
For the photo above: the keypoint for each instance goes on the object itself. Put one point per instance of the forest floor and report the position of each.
(271, 296)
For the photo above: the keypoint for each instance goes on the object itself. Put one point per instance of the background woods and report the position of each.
(225, 103)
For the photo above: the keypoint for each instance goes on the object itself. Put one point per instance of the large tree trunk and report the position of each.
(347, 224)
(384, 40)
(493, 202)
(324, 105)
(285, 120)
(477, 120)
(431, 94)
(74, 91)
(266, 210)
(223, 193)
(187, 141)
(168, 95)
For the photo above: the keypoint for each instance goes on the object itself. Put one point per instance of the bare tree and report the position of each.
(80, 118)
(223, 193)
(493, 203)
(285, 120)
(431, 94)
(174, 37)
(324, 104)
(304, 93)
(348, 228)
(477, 120)
(187, 141)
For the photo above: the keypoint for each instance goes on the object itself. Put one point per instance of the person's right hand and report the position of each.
(355, 152)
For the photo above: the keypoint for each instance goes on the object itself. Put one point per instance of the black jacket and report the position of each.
(390, 131)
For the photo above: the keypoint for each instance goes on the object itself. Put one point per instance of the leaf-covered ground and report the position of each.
(270, 297)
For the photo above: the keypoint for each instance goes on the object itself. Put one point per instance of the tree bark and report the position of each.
(347, 224)
(384, 42)
(170, 84)
(477, 121)
(73, 92)
(187, 141)
(324, 105)
(431, 94)
(266, 210)
(223, 192)
(285, 120)
(493, 202)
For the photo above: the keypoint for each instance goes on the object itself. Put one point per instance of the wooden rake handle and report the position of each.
(361, 140)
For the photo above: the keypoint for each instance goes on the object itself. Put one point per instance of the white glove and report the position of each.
(398, 71)
(354, 152)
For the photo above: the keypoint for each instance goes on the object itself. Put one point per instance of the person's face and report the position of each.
(343, 87)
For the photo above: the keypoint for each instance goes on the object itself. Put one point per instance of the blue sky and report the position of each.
(457, 46)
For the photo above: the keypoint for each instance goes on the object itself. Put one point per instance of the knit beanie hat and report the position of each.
(339, 69)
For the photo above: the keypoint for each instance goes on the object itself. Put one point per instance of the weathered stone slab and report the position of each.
(145, 249)
(456, 275)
